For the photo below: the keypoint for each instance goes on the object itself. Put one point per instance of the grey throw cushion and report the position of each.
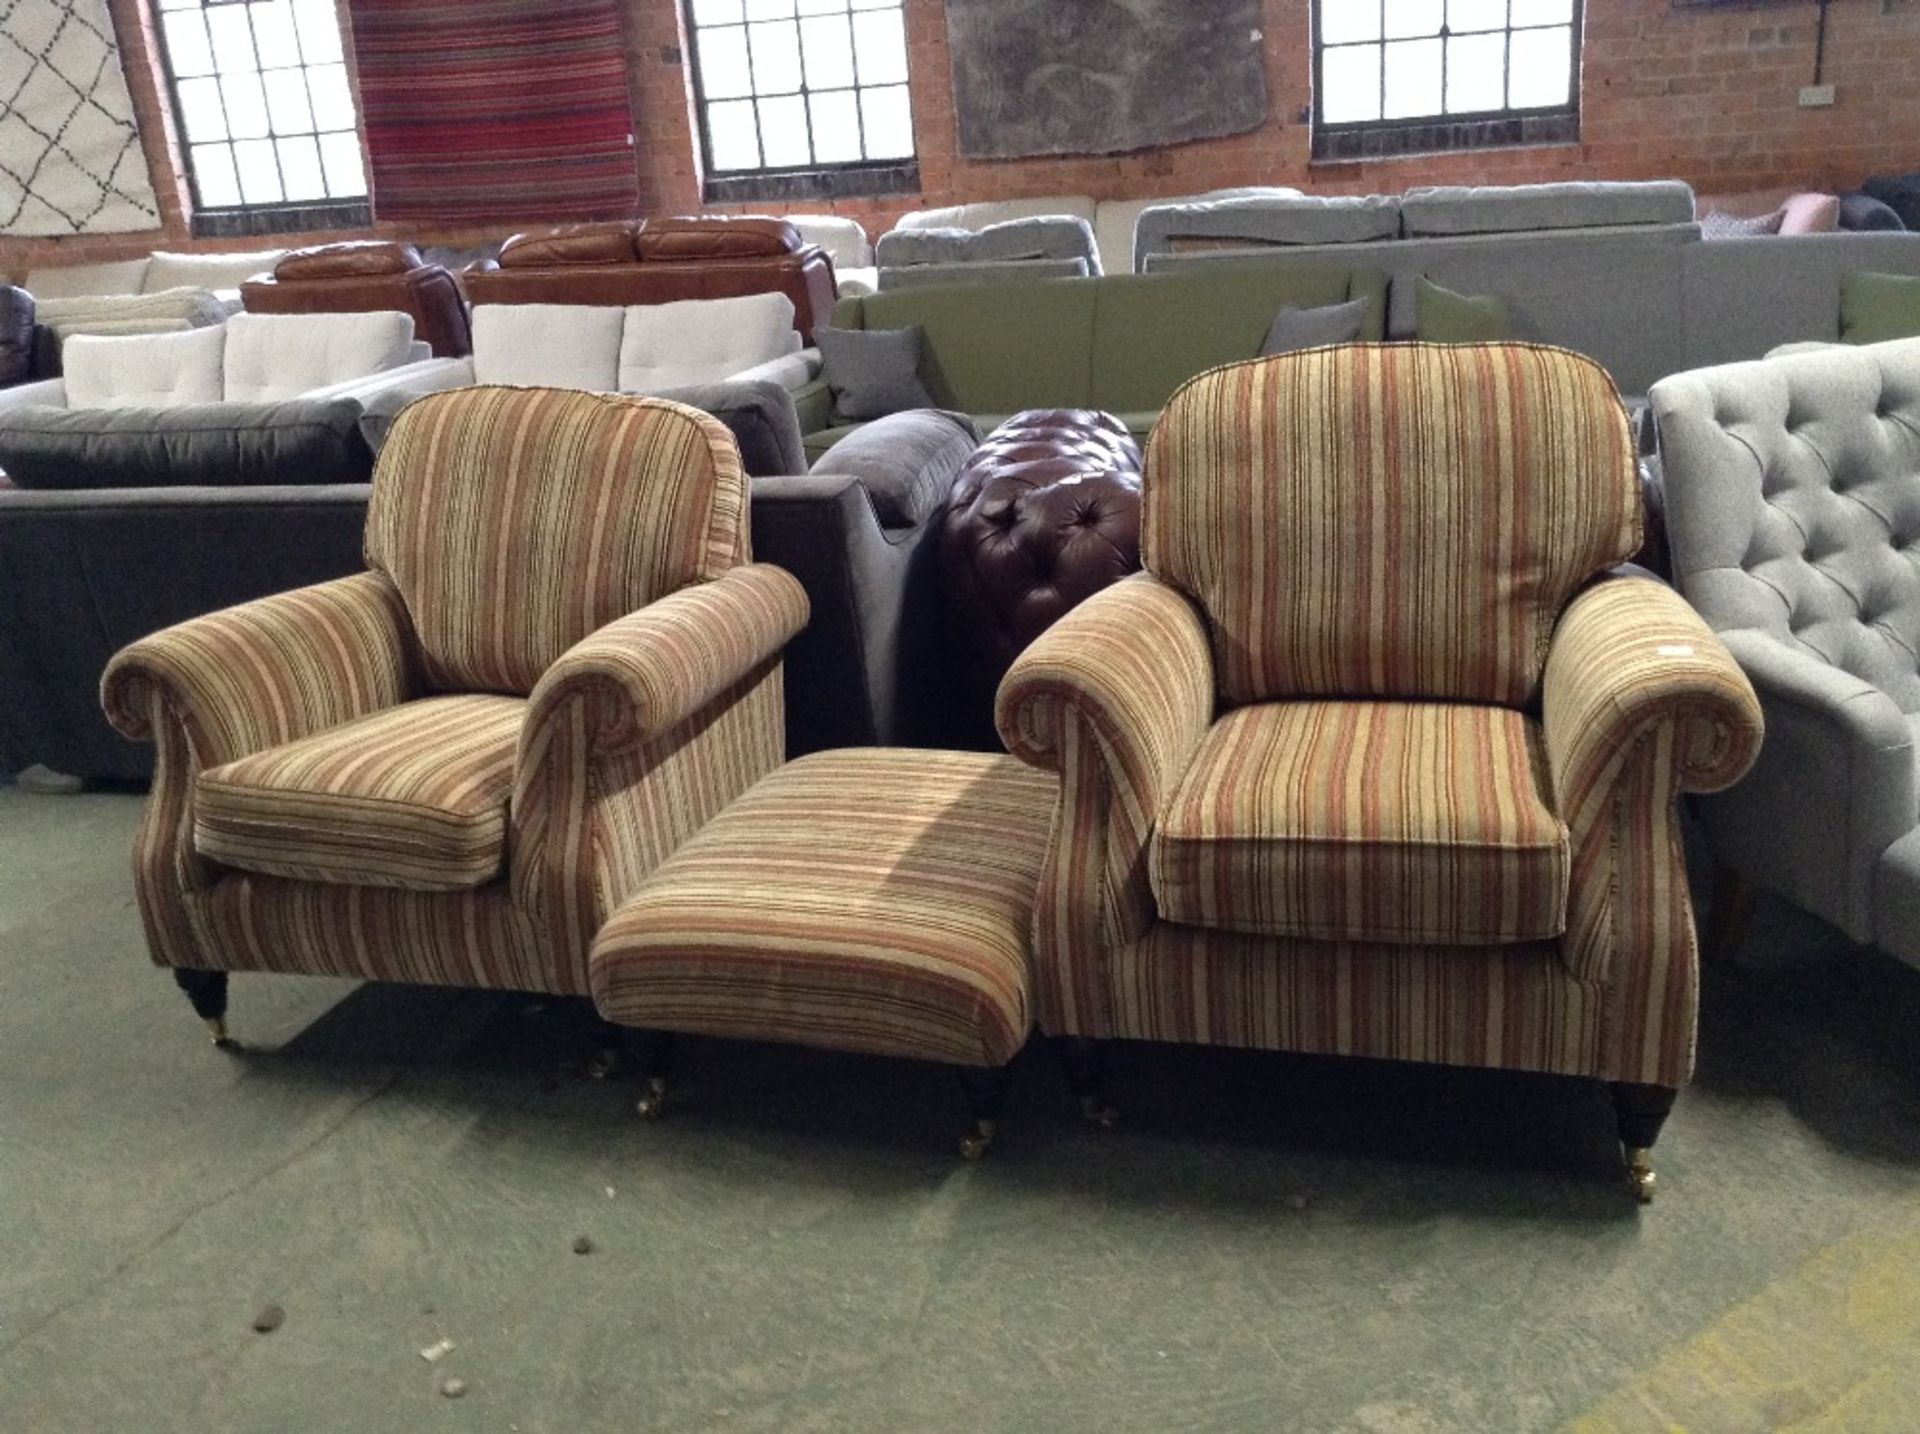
(1862, 213)
(760, 415)
(204, 445)
(907, 462)
(1295, 329)
(872, 372)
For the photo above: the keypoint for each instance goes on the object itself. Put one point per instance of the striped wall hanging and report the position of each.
(495, 109)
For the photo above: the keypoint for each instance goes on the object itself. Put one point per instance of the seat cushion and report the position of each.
(870, 899)
(1366, 821)
(415, 797)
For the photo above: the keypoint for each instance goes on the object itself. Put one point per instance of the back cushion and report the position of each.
(703, 340)
(1402, 521)
(78, 281)
(559, 345)
(225, 272)
(273, 357)
(145, 370)
(517, 521)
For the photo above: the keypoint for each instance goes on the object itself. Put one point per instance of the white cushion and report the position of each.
(80, 281)
(703, 340)
(145, 370)
(272, 357)
(550, 345)
(845, 240)
(998, 211)
(220, 272)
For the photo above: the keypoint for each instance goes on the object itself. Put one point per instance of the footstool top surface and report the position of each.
(872, 899)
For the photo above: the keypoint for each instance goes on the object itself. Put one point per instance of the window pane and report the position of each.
(732, 135)
(300, 168)
(783, 133)
(259, 174)
(287, 101)
(724, 72)
(188, 50)
(1542, 12)
(213, 173)
(828, 44)
(273, 35)
(769, 9)
(319, 26)
(346, 172)
(1476, 73)
(1411, 17)
(880, 47)
(232, 38)
(1413, 79)
(200, 107)
(776, 57)
(1542, 68)
(246, 109)
(1350, 84)
(1343, 20)
(332, 100)
(836, 127)
(887, 117)
(716, 12)
(1466, 15)
(822, 7)
(875, 4)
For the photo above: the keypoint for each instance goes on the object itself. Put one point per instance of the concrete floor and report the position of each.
(1266, 1243)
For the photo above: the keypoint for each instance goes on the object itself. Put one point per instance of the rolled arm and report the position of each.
(1833, 789)
(269, 671)
(640, 677)
(1641, 702)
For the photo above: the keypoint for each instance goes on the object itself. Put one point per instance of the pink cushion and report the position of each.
(1810, 214)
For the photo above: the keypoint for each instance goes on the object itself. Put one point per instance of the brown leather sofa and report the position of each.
(656, 261)
(364, 276)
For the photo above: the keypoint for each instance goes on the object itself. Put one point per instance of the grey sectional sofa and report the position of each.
(1616, 271)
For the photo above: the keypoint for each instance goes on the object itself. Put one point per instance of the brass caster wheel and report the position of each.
(1097, 1112)
(217, 1033)
(1640, 1177)
(978, 1141)
(653, 1099)
(603, 1063)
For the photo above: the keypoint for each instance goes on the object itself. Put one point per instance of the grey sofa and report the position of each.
(85, 571)
(1619, 272)
(1056, 246)
(1793, 518)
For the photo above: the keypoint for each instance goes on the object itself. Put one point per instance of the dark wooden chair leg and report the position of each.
(1732, 900)
(1087, 1079)
(1641, 1110)
(986, 1090)
(207, 990)
(654, 1051)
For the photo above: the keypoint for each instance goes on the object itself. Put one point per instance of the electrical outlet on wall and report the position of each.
(1817, 97)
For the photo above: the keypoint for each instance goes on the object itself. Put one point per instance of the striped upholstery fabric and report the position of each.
(415, 796)
(1399, 822)
(1372, 521)
(868, 900)
(515, 522)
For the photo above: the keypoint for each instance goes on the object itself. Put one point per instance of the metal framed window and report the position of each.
(788, 89)
(1394, 75)
(264, 108)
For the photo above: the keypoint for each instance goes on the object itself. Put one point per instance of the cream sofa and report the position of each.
(152, 274)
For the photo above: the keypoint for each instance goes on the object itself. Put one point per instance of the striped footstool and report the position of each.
(873, 899)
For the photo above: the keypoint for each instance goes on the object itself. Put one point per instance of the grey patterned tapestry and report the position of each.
(1033, 77)
(70, 160)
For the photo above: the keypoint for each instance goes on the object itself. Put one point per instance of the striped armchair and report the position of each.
(450, 768)
(1369, 762)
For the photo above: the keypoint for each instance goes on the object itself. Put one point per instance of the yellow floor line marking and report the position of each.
(1832, 1348)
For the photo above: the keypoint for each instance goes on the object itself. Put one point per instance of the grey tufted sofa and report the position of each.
(1793, 512)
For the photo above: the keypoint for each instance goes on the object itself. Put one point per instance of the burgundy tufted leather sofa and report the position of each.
(1044, 515)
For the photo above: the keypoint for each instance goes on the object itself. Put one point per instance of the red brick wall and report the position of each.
(1707, 96)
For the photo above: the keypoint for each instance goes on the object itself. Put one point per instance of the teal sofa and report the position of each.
(1122, 343)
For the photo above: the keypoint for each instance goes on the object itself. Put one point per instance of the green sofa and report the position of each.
(1121, 343)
